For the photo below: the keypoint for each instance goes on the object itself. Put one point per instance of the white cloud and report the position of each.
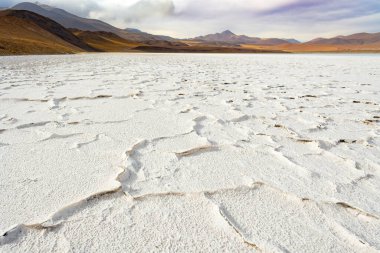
(223, 6)
(134, 11)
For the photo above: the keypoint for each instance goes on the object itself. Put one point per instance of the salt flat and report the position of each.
(190, 153)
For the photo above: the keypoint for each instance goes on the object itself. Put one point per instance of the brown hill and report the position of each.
(105, 41)
(354, 39)
(355, 43)
(110, 42)
(24, 32)
(320, 48)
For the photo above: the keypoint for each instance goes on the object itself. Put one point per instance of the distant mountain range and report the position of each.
(229, 37)
(26, 32)
(33, 28)
(354, 39)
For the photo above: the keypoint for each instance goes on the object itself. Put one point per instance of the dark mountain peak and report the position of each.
(228, 32)
(132, 30)
(26, 5)
(29, 5)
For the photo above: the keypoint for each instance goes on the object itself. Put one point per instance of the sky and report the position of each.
(300, 19)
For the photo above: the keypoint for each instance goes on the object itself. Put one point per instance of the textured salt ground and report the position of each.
(168, 153)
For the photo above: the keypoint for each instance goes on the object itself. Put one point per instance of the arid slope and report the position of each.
(320, 48)
(105, 41)
(24, 32)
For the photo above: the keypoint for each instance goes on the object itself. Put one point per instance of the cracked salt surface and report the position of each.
(190, 153)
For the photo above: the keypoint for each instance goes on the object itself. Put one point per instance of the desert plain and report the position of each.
(190, 153)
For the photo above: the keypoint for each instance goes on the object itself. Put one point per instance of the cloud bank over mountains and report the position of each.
(188, 18)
